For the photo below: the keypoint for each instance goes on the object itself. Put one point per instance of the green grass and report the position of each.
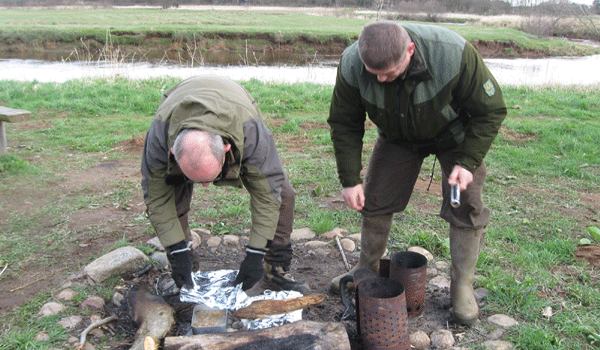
(542, 168)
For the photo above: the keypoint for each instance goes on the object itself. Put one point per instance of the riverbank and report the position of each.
(248, 33)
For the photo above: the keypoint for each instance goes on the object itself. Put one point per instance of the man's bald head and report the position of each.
(200, 154)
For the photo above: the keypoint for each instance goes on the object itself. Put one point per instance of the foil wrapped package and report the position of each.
(216, 290)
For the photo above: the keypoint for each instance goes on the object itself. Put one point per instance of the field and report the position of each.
(70, 192)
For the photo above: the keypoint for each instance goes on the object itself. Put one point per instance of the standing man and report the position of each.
(209, 130)
(429, 92)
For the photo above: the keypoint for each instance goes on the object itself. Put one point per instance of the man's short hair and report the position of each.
(215, 143)
(382, 44)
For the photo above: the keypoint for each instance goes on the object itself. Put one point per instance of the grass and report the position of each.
(542, 167)
(126, 26)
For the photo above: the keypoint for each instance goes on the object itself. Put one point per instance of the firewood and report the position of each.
(154, 317)
(297, 335)
(264, 308)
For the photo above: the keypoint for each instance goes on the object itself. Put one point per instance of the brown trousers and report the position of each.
(391, 177)
(279, 252)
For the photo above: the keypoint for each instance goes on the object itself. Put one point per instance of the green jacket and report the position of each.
(222, 106)
(446, 78)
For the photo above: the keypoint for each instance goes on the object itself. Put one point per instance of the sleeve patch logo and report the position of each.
(489, 88)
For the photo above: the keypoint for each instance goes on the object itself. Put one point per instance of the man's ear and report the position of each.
(172, 150)
(227, 147)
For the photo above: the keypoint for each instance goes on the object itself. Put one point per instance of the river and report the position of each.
(517, 72)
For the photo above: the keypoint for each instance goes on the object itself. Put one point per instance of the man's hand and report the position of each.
(354, 197)
(251, 269)
(460, 176)
(181, 264)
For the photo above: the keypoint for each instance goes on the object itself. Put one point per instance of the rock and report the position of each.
(498, 345)
(440, 282)
(442, 339)
(355, 237)
(200, 231)
(336, 232)
(71, 322)
(66, 295)
(481, 293)
(420, 340)
(231, 240)
(117, 299)
(196, 239)
(302, 233)
(155, 242)
(42, 336)
(50, 309)
(496, 334)
(422, 251)
(348, 244)
(213, 242)
(160, 258)
(441, 265)
(119, 261)
(432, 271)
(315, 245)
(502, 320)
(92, 302)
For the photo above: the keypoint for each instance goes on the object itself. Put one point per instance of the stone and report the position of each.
(442, 339)
(117, 299)
(420, 340)
(71, 322)
(441, 265)
(231, 240)
(66, 295)
(50, 309)
(336, 232)
(302, 233)
(155, 242)
(422, 251)
(42, 336)
(348, 244)
(160, 258)
(481, 293)
(213, 242)
(314, 245)
(119, 261)
(440, 282)
(355, 237)
(498, 345)
(92, 302)
(196, 240)
(502, 320)
(432, 271)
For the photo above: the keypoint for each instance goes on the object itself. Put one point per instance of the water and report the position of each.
(518, 72)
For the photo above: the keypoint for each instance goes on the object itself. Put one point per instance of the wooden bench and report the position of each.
(10, 115)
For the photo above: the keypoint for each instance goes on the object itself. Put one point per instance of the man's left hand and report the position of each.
(460, 176)
(251, 269)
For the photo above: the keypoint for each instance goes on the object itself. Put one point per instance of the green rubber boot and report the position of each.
(464, 250)
(374, 236)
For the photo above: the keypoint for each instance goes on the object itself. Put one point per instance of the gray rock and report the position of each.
(302, 233)
(155, 242)
(160, 258)
(355, 237)
(336, 232)
(117, 299)
(231, 240)
(441, 265)
(50, 309)
(498, 345)
(348, 244)
(66, 295)
(442, 339)
(440, 282)
(481, 293)
(420, 340)
(92, 302)
(119, 261)
(71, 322)
(213, 242)
(502, 320)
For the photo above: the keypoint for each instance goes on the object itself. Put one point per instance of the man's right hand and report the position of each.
(354, 197)
(181, 264)
(251, 269)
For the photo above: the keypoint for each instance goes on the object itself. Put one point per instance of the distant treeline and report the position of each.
(480, 7)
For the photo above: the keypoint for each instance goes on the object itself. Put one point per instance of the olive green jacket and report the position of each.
(222, 106)
(446, 77)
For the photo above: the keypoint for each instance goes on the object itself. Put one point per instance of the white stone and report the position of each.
(66, 295)
(92, 302)
(160, 258)
(316, 244)
(71, 322)
(441, 265)
(422, 251)
(42, 336)
(355, 237)
(119, 261)
(196, 240)
(348, 244)
(231, 240)
(442, 339)
(155, 242)
(50, 309)
(420, 340)
(498, 345)
(302, 233)
(336, 232)
(481, 293)
(214, 242)
(200, 231)
(502, 320)
(440, 282)
(432, 271)
(117, 299)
